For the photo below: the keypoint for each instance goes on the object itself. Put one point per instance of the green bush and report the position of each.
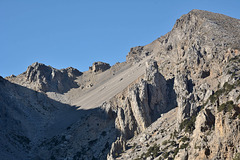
(134, 145)
(184, 145)
(165, 142)
(154, 151)
(216, 95)
(188, 124)
(237, 83)
(227, 107)
(165, 155)
(226, 89)
(238, 97)
(184, 139)
(176, 150)
(236, 58)
(237, 156)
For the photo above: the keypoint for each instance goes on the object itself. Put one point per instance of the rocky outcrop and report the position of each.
(99, 67)
(143, 102)
(116, 149)
(135, 54)
(139, 105)
(48, 79)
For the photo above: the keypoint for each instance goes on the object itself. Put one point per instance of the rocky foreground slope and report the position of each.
(175, 98)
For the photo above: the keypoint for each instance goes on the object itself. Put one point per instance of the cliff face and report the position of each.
(194, 52)
(177, 98)
(200, 55)
(142, 102)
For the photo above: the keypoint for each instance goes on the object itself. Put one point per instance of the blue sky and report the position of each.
(77, 33)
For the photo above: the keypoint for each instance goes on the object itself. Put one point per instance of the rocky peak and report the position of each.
(205, 27)
(48, 79)
(210, 17)
(38, 71)
(198, 32)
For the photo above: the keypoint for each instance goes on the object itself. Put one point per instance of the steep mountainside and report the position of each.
(175, 98)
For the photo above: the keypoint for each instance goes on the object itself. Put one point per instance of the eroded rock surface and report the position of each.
(99, 67)
(48, 79)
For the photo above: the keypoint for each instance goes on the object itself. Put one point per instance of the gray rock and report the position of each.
(99, 67)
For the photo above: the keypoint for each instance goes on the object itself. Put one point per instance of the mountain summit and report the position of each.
(175, 98)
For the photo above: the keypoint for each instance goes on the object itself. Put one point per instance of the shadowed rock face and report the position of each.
(33, 126)
(184, 98)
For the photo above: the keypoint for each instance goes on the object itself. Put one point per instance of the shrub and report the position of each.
(104, 133)
(176, 150)
(22, 139)
(77, 156)
(216, 95)
(236, 58)
(188, 124)
(92, 142)
(226, 89)
(184, 145)
(237, 156)
(154, 151)
(237, 83)
(165, 142)
(173, 143)
(227, 107)
(184, 139)
(238, 97)
(134, 145)
(165, 155)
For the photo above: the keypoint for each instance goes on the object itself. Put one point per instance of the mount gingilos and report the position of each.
(175, 98)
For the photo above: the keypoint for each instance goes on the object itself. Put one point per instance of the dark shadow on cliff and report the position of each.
(34, 126)
(171, 95)
(169, 101)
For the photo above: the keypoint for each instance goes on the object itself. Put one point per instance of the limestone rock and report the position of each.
(199, 61)
(48, 79)
(99, 67)
(182, 155)
(135, 54)
(142, 103)
(117, 147)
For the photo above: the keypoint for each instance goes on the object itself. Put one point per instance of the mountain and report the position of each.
(175, 98)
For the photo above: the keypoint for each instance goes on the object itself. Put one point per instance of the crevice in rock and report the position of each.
(205, 74)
